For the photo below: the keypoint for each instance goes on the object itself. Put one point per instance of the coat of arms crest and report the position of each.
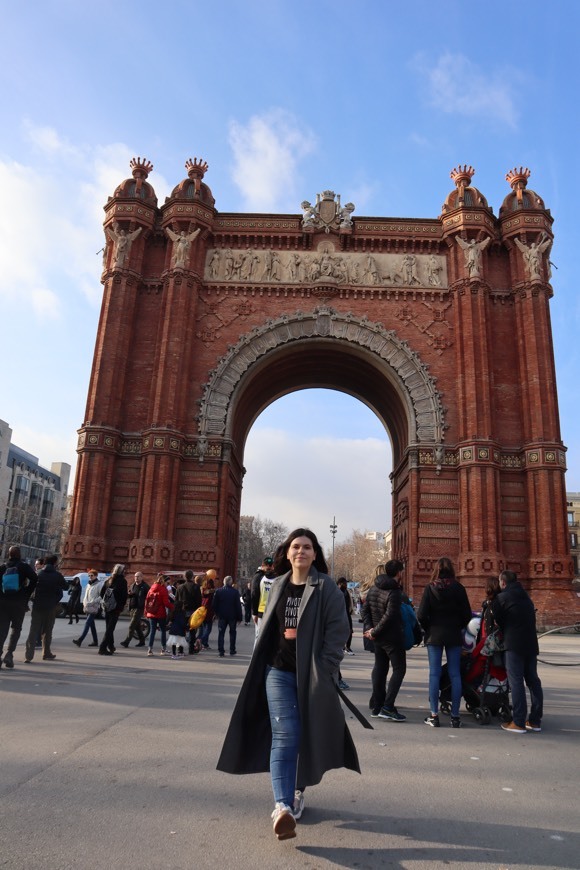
(327, 214)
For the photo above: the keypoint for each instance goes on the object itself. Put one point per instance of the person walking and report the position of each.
(189, 598)
(51, 584)
(17, 583)
(207, 594)
(383, 624)
(514, 612)
(136, 601)
(157, 605)
(228, 610)
(91, 606)
(74, 600)
(261, 585)
(443, 613)
(343, 586)
(288, 718)
(247, 602)
(114, 597)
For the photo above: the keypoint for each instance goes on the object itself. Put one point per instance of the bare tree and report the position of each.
(357, 557)
(258, 538)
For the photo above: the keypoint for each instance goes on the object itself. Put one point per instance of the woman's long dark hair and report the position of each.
(281, 561)
(443, 570)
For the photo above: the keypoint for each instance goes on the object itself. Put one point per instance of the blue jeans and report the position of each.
(90, 626)
(453, 654)
(205, 632)
(524, 669)
(153, 623)
(285, 721)
(223, 624)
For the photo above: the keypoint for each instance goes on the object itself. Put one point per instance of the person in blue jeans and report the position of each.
(91, 606)
(288, 719)
(227, 607)
(514, 612)
(443, 613)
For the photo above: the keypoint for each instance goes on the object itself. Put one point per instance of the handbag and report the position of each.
(493, 643)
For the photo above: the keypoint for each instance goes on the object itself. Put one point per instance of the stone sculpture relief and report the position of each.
(181, 245)
(326, 266)
(472, 253)
(122, 244)
(327, 213)
(532, 255)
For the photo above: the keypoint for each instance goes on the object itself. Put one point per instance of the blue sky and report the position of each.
(375, 100)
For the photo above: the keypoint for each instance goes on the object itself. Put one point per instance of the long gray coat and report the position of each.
(325, 742)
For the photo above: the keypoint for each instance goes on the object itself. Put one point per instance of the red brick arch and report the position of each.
(440, 325)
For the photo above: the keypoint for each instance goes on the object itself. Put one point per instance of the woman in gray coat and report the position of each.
(288, 719)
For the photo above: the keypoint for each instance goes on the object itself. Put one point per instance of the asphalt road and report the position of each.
(109, 763)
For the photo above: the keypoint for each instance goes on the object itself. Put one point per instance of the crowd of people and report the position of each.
(288, 719)
(162, 609)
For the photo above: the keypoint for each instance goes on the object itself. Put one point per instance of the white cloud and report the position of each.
(267, 151)
(458, 86)
(51, 220)
(309, 480)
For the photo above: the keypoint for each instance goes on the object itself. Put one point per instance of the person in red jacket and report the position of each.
(157, 604)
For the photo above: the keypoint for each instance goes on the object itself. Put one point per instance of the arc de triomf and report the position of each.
(441, 326)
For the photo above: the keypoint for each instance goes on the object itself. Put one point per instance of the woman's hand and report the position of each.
(368, 634)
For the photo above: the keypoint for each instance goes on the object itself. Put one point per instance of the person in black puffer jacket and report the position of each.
(383, 624)
(443, 613)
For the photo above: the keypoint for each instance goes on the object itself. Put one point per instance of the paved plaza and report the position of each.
(109, 763)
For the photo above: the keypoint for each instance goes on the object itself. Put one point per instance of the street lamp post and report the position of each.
(333, 529)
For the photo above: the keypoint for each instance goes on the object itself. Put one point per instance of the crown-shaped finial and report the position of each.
(196, 168)
(518, 178)
(462, 175)
(141, 167)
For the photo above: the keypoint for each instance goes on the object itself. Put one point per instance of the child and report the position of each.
(177, 632)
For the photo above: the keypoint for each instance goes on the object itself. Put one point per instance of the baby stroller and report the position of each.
(484, 683)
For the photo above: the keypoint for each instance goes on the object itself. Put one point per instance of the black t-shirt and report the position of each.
(284, 652)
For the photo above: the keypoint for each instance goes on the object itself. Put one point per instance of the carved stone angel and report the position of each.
(181, 245)
(472, 253)
(122, 243)
(532, 255)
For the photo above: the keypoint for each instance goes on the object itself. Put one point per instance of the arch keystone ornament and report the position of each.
(207, 318)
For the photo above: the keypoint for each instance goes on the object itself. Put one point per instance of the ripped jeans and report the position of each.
(285, 721)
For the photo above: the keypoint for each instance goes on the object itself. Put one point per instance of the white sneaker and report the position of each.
(284, 822)
(164, 652)
(298, 807)
(149, 652)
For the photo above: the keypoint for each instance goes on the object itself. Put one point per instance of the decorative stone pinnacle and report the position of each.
(518, 178)
(141, 167)
(196, 168)
(462, 175)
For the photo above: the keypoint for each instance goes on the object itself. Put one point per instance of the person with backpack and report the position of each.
(157, 605)
(17, 583)
(49, 588)
(189, 597)
(113, 599)
(383, 625)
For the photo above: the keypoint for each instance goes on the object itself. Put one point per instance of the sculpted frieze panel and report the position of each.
(325, 266)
